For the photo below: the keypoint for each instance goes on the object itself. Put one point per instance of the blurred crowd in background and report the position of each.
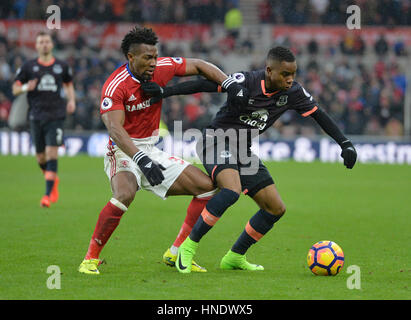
(362, 86)
(299, 12)
(376, 12)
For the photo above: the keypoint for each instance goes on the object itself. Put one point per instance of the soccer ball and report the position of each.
(325, 258)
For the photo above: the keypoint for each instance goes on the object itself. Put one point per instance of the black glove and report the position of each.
(348, 153)
(150, 168)
(156, 92)
(237, 95)
(152, 89)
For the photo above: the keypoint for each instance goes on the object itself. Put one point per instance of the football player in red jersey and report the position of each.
(132, 161)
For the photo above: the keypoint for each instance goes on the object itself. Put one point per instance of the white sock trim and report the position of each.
(174, 250)
(118, 204)
(207, 194)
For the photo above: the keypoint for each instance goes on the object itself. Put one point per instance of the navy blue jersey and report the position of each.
(263, 108)
(46, 101)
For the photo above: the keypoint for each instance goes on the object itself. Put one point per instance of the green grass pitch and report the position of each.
(365, 210)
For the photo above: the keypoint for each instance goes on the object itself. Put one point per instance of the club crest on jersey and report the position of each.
(106, 104)
(57, 69)
(124, 164)
(282, 101)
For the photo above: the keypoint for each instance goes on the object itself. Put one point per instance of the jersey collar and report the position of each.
(131, 75)
(268, 94)
(46, 64)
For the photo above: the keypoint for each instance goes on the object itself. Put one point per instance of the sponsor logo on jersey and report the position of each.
(47, 83)
(282, 101)
(106, 104)
(257, 119)
(138, 106)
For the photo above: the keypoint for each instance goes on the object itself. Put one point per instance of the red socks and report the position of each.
(194, 210)
(107, 222)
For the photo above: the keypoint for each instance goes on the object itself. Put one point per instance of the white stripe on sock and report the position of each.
(118, 204)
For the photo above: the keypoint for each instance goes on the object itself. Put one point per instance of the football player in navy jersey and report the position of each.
(43, 79)
(266, 95)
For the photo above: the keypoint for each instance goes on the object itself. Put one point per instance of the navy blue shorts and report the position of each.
(217, 155)
(46, 133)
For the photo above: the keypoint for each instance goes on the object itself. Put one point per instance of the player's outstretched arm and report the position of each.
(184, 88)
(237, 95)
(205, 69)
(348, 153)
(113, 121)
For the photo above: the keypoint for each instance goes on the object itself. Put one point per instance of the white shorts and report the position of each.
(115, 160)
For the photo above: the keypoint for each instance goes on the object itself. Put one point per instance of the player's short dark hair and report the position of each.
(43, 33)
(138, 36)
(280, 54)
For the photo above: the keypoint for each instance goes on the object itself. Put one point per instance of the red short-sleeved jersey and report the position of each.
(122, 91)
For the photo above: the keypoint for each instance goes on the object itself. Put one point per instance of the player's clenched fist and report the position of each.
(349, 154)
(151, 170)
(152, 89)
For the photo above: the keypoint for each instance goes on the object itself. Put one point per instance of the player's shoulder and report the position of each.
(29, 63)
(296, 89)
(115, 79)
(249, 76)
(120, 70)
(169, 61)
(298, 95)
(61, 62)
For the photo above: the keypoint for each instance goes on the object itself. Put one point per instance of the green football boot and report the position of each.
(170, 260)
(236, 261)
(185, 255)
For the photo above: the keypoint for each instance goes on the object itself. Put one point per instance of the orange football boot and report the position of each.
(45, 202)
(54, 195)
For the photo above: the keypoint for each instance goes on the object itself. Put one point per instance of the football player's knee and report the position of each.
(277, 209)
(125, 196)
(206, 185)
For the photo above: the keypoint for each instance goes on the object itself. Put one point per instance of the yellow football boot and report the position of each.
(170, 260)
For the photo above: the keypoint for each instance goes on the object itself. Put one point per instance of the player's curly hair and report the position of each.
(280, 54)
(137, 36)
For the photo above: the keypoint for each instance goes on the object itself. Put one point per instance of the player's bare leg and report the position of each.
(124, 186)
(272, 208)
